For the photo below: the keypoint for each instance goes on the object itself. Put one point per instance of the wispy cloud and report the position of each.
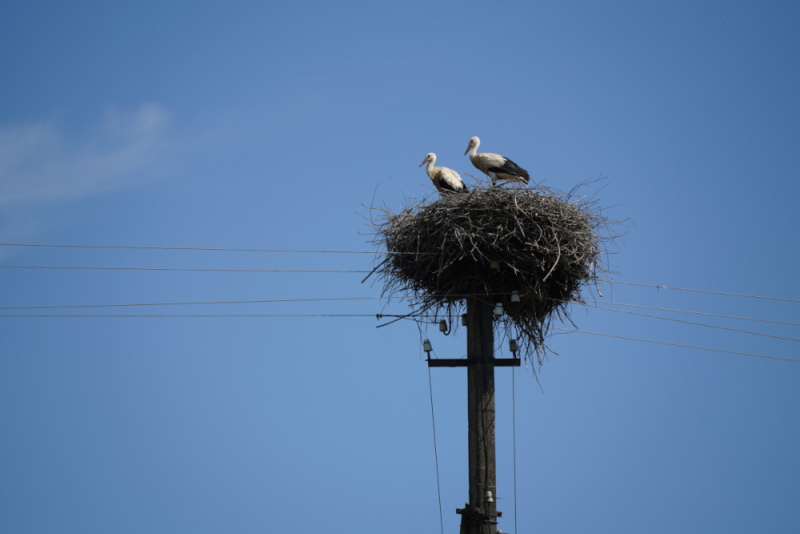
(39, 164)
(42, 165)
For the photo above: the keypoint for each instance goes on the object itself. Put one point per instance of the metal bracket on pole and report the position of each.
(463, 362)
(473, 516)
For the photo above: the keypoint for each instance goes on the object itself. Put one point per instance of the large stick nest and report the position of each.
(488, 243)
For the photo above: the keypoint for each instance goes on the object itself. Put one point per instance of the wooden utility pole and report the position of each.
(479, 516)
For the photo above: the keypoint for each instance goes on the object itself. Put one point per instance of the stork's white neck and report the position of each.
(429, 168)
(474, 151)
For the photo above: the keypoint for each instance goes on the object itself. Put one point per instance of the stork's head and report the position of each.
(473, 143)
(430, 157)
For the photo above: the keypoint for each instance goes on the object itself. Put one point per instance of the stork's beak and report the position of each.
(423, 161)
(468, 147)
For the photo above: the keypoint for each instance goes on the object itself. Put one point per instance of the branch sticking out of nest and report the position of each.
(488, 243)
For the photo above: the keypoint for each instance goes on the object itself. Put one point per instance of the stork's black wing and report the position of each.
(509, 167)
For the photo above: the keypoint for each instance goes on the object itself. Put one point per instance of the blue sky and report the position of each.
(267, 126)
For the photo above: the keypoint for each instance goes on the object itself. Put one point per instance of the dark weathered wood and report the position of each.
(479, 517)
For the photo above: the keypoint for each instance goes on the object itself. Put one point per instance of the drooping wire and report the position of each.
(216, 302)
(399, 297)
(195, 303)
(213, 249)
(378, 316)
(698, 324)
(163, 315)
(436, 454)
(310, 251)
(694, 323)
(706, 291)
(433, 424)
(692, 312)
(678, 344)
(71, 267)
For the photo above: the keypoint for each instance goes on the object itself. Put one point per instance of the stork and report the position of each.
(446, 180)
(495, 166)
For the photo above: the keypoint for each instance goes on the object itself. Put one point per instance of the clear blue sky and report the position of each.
(258, 125)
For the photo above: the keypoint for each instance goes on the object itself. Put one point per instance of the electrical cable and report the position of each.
(705, 291)
(387, 297)
(193, 303)
(433, 423)
(214, 249)
(179, 269)
(188, 303)
(311, 251)
(436, 454)
(738, 330)
(678, 345)
(378, 315)
(692, 312)
(698, 324)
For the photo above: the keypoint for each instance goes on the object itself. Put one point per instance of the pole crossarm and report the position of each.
(463, 362)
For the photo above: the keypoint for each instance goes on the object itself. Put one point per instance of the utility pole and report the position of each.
(479, 516)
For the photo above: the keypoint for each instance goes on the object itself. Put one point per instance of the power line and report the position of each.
(698, 324)
(436, 454)
(213, 249)
(301, 315)
(312, 251)
(678, 345)
(705, 291)
(378, 315)
(433, 423)
(682, 321)
(360, 315)
(693, 312)
(386, 297)
(179, 269)
(189, 303)
(197, 303)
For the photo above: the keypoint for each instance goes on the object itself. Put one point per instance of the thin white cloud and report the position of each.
(41, 165)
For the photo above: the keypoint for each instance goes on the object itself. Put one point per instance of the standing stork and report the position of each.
(495, 166)
(446, 180)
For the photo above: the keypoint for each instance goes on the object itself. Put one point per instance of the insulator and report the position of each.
(442, 326)
(515, 296)
(463, 319)
(512, 345)
(426, 346)
(498, 309)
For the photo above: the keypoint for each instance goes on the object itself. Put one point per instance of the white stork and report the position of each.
(446, 180)
(495, 166)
